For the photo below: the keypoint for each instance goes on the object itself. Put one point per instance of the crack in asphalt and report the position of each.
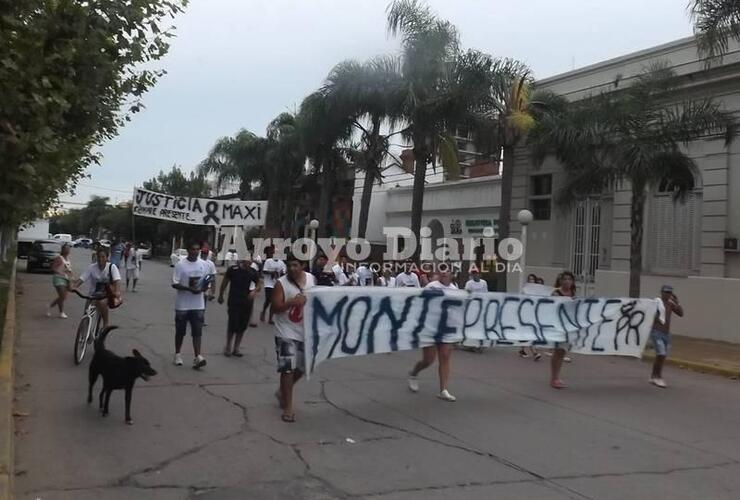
(463, 447)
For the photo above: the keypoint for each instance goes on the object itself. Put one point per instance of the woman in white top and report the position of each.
(441, 350)
(287, 303)
(62, 269)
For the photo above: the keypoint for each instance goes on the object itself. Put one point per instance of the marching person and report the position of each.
(661, 334)
(565, 286)
(387, 279)
(341, 276)
(243, 283)
(476, 284)
(190, 280)
(116, 252)
(408, 278)
(270, 273)
(133, 266)
(531, 279)
(288, 301)
(441, 350)
(62, 269)
(323, 277)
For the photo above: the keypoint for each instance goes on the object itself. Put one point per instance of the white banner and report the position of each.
(346, 321)
(201, 211)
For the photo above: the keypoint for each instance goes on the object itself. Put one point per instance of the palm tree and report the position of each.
(236, 159)
(441, 86)
(283, 165)
(634, 135)
(369, 95)
(325, 130)
(715, 23)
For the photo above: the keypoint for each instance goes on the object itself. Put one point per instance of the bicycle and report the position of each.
(86, 334)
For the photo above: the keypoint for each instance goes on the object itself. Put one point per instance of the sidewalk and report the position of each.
(706, 356)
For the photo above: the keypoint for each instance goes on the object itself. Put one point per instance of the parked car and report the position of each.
(64, 238)
(177, 256)
(82, 243)
(105, 243)
(145, 251)
(42, 254)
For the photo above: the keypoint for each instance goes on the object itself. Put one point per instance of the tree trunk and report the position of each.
(272, 220)
(637, 212)
(417, 200)
(507, 181)
(367, 192)
(327, 185)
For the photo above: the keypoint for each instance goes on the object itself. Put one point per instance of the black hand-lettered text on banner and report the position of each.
(201, 211)
(345, 321)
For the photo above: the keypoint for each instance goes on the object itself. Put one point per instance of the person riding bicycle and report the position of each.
(104, 279)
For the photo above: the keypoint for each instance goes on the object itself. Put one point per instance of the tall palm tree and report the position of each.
(370, 95)
(283, 166)
(325, 130)
(634, 135)
(236, 159)
(441, 87)
(715, 23)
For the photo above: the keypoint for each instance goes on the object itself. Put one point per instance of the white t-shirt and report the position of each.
(339, 276)
(410, 279)
(364, 276)
(289, 323)
(438, 284)
(479, 286)
(133, 260)
(390, 282)
(96, 278)
(271, 266)
(188, 273)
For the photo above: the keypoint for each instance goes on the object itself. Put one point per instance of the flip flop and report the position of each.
(287, 418)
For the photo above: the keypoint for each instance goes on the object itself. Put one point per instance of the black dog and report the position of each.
(117, 372)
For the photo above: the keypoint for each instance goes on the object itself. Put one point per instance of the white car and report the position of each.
(177, 256)
(63, 238)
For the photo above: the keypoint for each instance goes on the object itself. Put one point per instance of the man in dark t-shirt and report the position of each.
(323, 278)
(243, 282)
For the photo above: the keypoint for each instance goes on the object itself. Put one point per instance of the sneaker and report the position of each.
(523, 354)
(199, 362)
(658, 382)
(48, 313)
(413, 384)
(446, 396)
(567, 359)
(178, 360)
(63, 315)
(537, 356)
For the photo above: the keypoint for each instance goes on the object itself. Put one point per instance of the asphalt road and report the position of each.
(216, 434)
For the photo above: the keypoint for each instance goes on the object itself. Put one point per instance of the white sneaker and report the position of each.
(178, 360)
(63, 315)
(658, 382)
(446, 396)
(199, 362)
(413, 384)
(48, 313)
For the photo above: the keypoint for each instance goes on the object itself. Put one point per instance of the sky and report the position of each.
(239, 63)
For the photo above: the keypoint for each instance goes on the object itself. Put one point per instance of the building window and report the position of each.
(540, 196)
(673, 242)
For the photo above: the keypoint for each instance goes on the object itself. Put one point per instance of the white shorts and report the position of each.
(132, 273)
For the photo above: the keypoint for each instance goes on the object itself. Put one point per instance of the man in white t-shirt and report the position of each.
(364, 276)
(476, 284)
(341, 273)
(408, 278)
(190, 279)
(272, 269)
(133, 265)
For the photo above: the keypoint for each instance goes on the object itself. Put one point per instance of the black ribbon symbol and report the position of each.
(211, 208)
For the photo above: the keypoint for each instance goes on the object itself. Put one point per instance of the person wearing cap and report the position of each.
(660, 335)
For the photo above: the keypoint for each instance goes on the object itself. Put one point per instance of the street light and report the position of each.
(524, 217)
(313, 226)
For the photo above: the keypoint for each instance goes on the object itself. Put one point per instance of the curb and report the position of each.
(7, 435)
(697, 366)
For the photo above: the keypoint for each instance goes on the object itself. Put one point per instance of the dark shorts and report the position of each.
(289, 355)
(239, 317)
(268, 298)
(194, 317)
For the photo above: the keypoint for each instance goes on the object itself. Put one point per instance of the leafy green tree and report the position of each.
(716, 22)
(370, 95)
(442, 86)
(71, 74)
(636, 135)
